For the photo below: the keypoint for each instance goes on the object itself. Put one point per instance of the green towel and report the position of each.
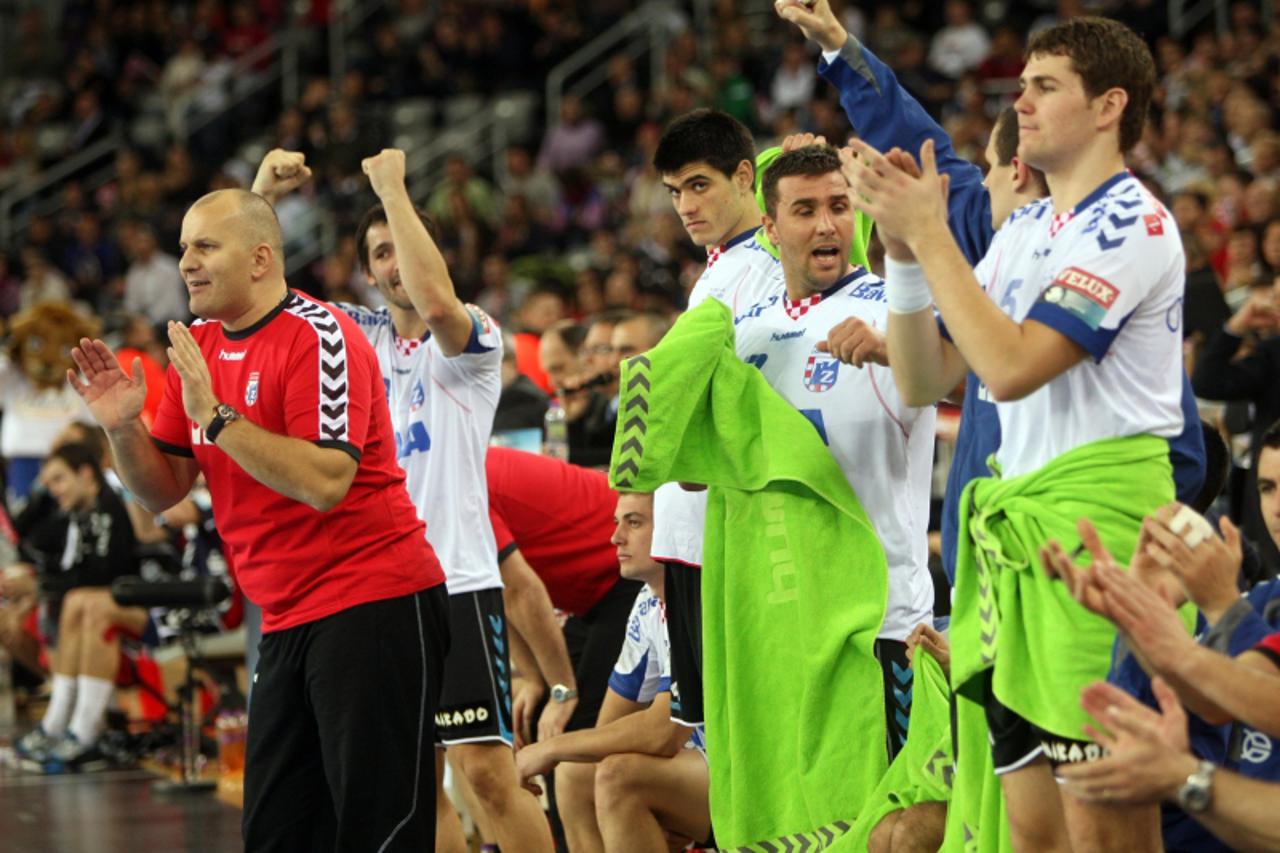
(1044, 647)
(862, 223)
(976, 818)
(923, 770)
(794, 583)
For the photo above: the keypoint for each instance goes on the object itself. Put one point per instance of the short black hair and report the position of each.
(705, 136)
(377, 215)
(570, 333)
(610, 317)
(1270, 438)
(76, 456)
(810, 161)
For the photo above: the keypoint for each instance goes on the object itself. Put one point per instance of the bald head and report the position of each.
(256, 218)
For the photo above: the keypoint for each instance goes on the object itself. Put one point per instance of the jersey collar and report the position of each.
(714, 252)
(270, 315)
(798, 308)
(1058, 221)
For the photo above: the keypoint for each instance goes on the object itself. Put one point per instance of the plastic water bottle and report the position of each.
(555, 440)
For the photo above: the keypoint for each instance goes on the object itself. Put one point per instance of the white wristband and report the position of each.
(905, 287)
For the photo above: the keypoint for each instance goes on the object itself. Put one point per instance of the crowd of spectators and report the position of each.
(574, 220)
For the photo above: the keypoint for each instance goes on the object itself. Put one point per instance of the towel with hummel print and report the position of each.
(794, 583)
(1009, 616)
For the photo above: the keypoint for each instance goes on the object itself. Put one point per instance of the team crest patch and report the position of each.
(1083, 294)
(1154, 226)
(419, 397)
(251, 389)
(821, 371)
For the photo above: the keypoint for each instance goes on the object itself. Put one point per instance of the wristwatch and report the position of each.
(561, 693)
(1196, 793)
(222, 415)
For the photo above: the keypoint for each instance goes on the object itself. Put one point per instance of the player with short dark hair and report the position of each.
(441, 368)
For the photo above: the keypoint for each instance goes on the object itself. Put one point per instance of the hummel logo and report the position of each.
(223, 355)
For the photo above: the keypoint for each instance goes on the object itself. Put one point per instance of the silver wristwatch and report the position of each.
(1196, 793)
(561, 693)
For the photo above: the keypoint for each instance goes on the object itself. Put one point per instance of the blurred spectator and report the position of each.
(573, 141)
(523, 405)
(961, 44)
(462, 187)
(41, 281)
(793, 82)
(153, 286)
(522, 177)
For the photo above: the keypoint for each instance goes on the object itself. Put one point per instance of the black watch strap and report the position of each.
(222, 415)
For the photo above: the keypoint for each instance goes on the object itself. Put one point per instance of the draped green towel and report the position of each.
(794, 582)
(1044, 647)
(923, 770)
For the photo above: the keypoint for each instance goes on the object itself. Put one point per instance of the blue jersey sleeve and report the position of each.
(886, 115)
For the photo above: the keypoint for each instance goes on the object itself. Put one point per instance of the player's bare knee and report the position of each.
(881, 838)
(920, 828)
(489, 773)
(575, 781)
(616, 777)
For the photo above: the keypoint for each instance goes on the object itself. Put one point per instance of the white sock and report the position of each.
(91, 707)
(63, 700)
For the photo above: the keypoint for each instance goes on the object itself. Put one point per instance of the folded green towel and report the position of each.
(794, 583)
(1044, 647)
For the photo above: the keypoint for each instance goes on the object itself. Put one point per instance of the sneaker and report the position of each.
(71, 756)
(35, 746)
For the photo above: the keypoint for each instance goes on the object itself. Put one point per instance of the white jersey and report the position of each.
(738, 274)
(1110, 276)
(442, 411)
(643, 669)
(883, 446)
(679, 519)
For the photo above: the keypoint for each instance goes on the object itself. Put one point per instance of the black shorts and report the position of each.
(683, 598)
(475, 696)
(898, 679)
(594, 640)
(1017, 742)
(339, 753)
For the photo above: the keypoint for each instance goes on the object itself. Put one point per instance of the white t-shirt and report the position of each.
(679, 520)
(33, 416)
(442, 410)
(1110, 276)
(738, 274)
(884, 446)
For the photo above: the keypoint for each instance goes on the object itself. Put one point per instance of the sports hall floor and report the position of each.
(110, 812)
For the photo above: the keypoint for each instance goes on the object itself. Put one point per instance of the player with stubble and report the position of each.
(276, 398)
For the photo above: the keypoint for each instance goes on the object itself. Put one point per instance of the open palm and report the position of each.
(113, 397)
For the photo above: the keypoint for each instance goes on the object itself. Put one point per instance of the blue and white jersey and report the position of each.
(738, 274)
(884, 446)
(643, 669)
(1109, 275)
(442, 409)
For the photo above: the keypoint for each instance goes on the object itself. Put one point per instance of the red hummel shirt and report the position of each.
(560, 516)
(305, 371)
